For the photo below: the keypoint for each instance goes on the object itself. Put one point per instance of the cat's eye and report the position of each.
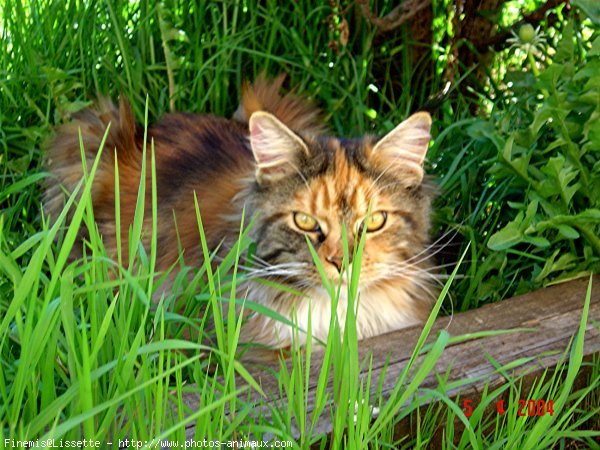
(375, 221)
(306, 222)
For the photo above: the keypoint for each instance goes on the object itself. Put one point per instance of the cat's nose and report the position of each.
(337, 262)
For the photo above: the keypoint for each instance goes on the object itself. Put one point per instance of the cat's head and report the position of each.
(307, 186)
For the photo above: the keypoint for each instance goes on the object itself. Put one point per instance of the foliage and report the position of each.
(526, 179)
(548, 152)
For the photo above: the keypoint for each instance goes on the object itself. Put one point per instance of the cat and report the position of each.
(275, 160)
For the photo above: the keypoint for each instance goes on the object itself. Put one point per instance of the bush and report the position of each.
(548, 142)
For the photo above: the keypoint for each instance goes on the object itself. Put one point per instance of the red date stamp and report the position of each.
(526, 408)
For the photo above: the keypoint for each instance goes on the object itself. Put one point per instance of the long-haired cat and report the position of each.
(275, 159)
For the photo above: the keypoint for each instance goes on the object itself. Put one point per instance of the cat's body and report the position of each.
(296, 180)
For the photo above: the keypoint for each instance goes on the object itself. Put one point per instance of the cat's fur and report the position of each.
(274, 159)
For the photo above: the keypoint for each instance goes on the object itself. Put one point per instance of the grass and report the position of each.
(83, 351)
(109, 368)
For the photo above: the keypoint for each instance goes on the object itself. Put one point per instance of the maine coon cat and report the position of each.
(276, 160)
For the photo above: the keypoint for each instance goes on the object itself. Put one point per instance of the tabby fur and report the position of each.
(274, 159)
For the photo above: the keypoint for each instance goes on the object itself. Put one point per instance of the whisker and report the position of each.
(427, 249)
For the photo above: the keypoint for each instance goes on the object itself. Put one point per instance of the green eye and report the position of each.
(375, 221)
(306, 222)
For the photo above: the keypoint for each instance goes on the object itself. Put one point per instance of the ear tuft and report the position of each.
(405, 148)
(275, 147)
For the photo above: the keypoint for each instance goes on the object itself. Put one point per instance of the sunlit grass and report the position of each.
(97, 359)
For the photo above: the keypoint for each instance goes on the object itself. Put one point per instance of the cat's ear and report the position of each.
(404, 148)
(275, 147)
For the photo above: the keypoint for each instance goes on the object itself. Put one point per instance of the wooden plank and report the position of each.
(554, 313)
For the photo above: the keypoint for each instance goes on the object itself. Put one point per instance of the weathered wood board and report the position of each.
(554, 313)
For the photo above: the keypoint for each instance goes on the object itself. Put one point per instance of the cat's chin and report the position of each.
(382, 306)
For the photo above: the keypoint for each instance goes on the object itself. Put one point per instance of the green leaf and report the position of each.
(508, 236)
(591, 129)
(519, 164)
(565, 262)
(562, 173)
(538, 241)
(589, 216)
(549, 77)
(75, 106)
(22, 185)
(565, 48)
(595, 50)
(541, 117)
(568, 232)
(590, 7)
(482, 129)
(529, 215)
(589, 70)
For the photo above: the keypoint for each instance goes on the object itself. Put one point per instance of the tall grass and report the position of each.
(86, 355)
